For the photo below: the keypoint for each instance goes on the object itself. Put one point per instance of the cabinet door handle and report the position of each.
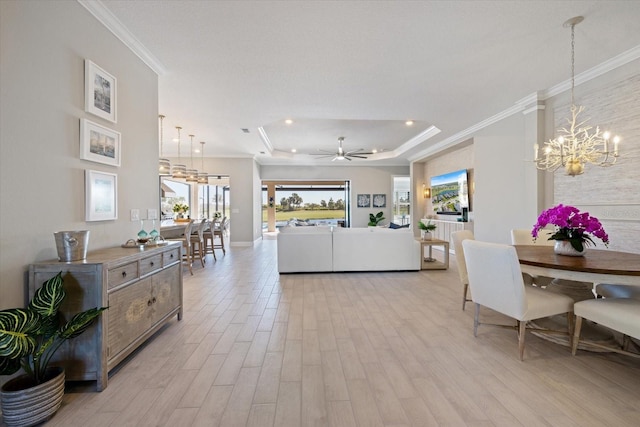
(124, 274)
(151, 263)
(153, 300)
(149, 303)
(171, 256)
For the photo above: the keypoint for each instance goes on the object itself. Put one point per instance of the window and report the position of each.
(401, 200)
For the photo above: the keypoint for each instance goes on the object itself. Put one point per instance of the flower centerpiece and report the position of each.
(571, 228)
(180, 209)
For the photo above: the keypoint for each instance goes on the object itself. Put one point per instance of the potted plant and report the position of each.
(572, 229)
(426, 229)
(29, 337)
(374, 220)
(180, 209)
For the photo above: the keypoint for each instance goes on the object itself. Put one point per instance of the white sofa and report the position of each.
(310, 249)
(305, 249)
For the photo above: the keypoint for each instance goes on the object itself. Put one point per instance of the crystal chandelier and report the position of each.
(192, 174)
(179, 170)
(577, 144)
(203, 177)
(164, 165)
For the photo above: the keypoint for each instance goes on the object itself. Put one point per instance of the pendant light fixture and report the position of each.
(577, 144)
(164, 165)
(192, 174)
(203, 177)
(179, 170)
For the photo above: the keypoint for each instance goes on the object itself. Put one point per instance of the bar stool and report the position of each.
(198, 243)
(208, 237)
(186, 245)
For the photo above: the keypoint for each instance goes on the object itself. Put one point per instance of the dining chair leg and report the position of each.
(224, 251)
(570, 326)
(464, 295)
(476, 320)
(576, 335)
(521, 333)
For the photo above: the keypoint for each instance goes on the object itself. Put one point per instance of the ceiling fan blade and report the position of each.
(356, 156)
(358, 151)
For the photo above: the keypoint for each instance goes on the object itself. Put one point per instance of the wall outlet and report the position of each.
(152, 213)
(135, 214)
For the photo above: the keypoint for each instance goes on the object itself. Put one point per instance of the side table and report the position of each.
(428, 262)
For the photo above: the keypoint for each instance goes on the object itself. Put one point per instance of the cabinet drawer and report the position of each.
(171, 256)
(123, 274)
(148, 265)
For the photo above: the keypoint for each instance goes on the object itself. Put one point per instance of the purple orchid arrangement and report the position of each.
(571, 225)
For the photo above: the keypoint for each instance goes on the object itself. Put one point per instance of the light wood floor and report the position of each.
(364, 349)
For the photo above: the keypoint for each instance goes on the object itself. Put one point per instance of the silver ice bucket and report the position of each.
(72, 245)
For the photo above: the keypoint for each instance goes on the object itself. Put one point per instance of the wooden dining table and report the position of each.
(581, 274)
(595, 266)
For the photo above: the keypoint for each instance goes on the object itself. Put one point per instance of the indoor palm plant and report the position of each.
(426, 229)
(572, 227)
(29, 338)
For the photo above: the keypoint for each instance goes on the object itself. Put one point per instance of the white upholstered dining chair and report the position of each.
(457, 237)
(495, 281)
(619, 314)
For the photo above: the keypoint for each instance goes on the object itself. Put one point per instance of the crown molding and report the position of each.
(265, 139)
(590, 74)
(429, 132)
(113, 24)
(522, 105)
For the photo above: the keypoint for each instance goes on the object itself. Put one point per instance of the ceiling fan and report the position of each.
(343, 155)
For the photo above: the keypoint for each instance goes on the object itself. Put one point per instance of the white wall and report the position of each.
(43, 46)
(504, 180)
(610, 194)
(364, 180)
(243, 203)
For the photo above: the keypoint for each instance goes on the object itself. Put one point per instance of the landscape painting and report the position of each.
(449, 193)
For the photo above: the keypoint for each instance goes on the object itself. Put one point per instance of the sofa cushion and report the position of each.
(394, 226)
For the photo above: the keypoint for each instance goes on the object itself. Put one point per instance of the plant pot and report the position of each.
(426, 235)
(563, 247)
(24, 404)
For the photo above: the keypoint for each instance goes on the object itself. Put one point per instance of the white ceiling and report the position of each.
(356, 69)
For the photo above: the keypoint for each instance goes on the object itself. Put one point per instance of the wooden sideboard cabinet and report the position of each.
(141, 287)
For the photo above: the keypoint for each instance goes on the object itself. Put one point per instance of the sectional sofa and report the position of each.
(327, 249)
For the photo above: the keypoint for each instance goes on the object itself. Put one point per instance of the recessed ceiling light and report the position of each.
(374, 151)
(293, 150)
(245, 130)
(288, 121)
(409, 123)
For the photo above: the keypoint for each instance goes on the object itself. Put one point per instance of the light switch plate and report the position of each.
(135, 214)
(152, 214)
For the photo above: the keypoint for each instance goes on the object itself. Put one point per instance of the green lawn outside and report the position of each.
(305, 214)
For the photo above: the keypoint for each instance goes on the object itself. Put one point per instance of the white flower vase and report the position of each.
(563, 247)
(426, 235)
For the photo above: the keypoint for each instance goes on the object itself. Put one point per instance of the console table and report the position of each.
(430, 263)
(141, 287)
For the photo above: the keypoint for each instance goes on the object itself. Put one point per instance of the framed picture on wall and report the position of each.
(379, 200)
(100, 92)
(101, 196)
(364, 200)
(99, 144)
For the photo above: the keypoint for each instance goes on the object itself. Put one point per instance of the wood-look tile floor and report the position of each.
(362, 349)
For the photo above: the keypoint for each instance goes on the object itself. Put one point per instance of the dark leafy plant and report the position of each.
(429, 226)
(29, 337)
(375, 219)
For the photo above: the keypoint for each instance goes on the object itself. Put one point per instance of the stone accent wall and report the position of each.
(611, 194)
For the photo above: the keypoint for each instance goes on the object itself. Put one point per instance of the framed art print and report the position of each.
(364, 200)
(379, 200)
(99, 144)
(100, 92)
(101, 196)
